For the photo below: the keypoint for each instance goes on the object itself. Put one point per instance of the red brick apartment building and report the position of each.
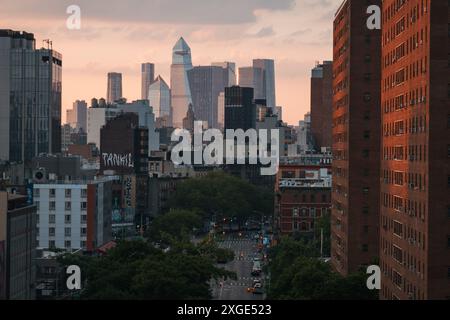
(415, 166)
(356, 138)
(303, 193)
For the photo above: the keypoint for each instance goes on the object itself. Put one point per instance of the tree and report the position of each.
(224, 196)
(176, 225)
(298, 274)
(137, 270)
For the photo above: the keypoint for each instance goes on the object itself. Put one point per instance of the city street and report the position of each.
(242, 266)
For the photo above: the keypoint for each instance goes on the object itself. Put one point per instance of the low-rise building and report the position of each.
(74, 215)
(303, 193)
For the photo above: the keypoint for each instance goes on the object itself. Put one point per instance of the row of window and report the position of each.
(67, 244)
(67, 232)
(414, 181)
(414, 209)
(67, 193)
(67, 205)
(67, 218)
(408, 233)
(411, 153)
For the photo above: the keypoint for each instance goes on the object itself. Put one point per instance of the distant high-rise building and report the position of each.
(189, 119)
(251, 77)
(304, 136)
(98, 115)
(268, 68)
(221, 111)
(206, 83)
(30, 97)
(159, 98)
(77, 116)
(240, 109)
(179, 83)
(322, 104)
(147, 78)
(415, 143)
(114, 87)
(229, 72)
(356, 138)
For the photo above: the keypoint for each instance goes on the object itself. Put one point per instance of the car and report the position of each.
(257, 285)
(256, 281)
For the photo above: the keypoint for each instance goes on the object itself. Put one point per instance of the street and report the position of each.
(242, 266)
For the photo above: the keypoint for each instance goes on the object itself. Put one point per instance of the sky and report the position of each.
(119, 35)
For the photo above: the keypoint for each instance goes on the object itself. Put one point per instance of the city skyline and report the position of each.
(239, 33)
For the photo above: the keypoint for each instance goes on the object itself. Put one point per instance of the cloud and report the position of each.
(265, 32)
(148, 11)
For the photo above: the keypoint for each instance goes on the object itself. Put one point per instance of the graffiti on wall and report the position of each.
(118, 160)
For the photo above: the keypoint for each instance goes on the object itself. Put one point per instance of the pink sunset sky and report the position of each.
(120, 35)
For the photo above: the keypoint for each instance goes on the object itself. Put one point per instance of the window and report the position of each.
(68, 193)
(83, 193)
(67, 244)
(68, 206)
(366, 135)
(83, 244)
(397, 278)
(366, 191)
(36, 192)
(83, 231)
(365, 248)
(67, 232)
(52, 205)
(367, 97)
(366, 153)
(312, 212)
(295, 212)
(365, 210)
(67, 218)
(52, 193)
(448, 241)
(83, 205)
(313, 198)
(36, 203)
(52, 244)
(51, 218)
(51, 232)
(83, 218)
(448, 211)
(324, 198)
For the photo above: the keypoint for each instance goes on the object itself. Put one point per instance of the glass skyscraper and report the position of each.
(179, 83)
(114, 87)
(159, 98)
(30, 97)
(147, 78)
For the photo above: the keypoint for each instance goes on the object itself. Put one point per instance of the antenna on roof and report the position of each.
(49, 44)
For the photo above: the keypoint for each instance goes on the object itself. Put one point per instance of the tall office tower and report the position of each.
(147, 78)
(189, 119)
(77, 116)
(240, 109)
(114, 87)
(322, 104)
(268, 68)
(356, 138)
(30, 97)
(304, 136)
(206, 83)
(17, 247)
(179, 83)
(229, 72)
(159, 98)
(250, 77)
(415, 165)
(221, 111)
